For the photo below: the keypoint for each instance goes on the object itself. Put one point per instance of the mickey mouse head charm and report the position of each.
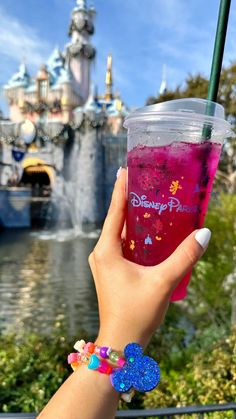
(140, 372)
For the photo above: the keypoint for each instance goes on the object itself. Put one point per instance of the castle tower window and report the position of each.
(43, 83)
(43, 89)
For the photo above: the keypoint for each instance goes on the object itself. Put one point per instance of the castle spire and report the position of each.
(163, 86)
(80, 52)
(109, 82)
(81, 4)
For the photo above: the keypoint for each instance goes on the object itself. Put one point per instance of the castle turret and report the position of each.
(80, 52)
(163, 86)
(14, 91)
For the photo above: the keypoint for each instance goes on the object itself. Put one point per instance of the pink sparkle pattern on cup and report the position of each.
(168, 193)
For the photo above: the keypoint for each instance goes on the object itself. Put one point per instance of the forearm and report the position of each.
(88, 394)
(85, 394)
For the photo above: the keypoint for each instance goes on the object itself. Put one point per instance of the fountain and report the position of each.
(78, 193)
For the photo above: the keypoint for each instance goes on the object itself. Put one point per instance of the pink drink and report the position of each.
(173, 152)
(168, 193)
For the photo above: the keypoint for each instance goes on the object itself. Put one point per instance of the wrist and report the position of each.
(117, 339)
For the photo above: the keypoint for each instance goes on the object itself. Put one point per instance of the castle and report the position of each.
(63, 83)
(55, 112)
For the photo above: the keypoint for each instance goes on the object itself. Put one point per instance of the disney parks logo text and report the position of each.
(173, 204)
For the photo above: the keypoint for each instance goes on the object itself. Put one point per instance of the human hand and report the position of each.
(133, 299)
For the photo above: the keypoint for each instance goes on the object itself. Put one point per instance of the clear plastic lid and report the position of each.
(189, 112)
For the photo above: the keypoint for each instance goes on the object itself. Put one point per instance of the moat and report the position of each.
(45, 280)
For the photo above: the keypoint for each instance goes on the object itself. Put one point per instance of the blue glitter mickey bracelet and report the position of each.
(140, 372)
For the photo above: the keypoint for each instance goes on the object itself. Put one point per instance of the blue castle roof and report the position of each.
(65, 75)
(55, 65)
(59, 73)
(21, 78)
(113, 107)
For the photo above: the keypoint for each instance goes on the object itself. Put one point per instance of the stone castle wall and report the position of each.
(87, 163)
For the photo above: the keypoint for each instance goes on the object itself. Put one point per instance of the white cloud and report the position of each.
(17, 39)
(172, 29)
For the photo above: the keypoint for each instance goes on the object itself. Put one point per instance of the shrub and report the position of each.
(31, 370)
(210, 378)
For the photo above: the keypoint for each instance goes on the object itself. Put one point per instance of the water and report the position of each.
(44, 278)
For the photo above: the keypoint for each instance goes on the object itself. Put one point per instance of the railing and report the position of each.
(165, 413)
(174, 411)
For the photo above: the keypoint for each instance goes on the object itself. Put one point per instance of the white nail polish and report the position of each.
(118, 172)
(203, 237)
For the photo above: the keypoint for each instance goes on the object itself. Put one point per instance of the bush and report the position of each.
(210, 293)
(31, 370)
(209, 379)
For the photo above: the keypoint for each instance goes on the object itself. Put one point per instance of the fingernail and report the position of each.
(203, 237)
(118, 172)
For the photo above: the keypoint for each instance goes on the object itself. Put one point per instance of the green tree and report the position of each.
(227, 91)
(194, 86)
(197, 86)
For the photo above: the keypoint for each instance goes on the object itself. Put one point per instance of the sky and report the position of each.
(141, 35)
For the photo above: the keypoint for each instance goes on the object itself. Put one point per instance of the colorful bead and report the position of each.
(86, 346)
(97, 350)
(114, 356)
(103, 351)
(94, 362)
(127, 397)
(79, 345)
(86, 357)
(121, 362)
(89, 347)
(73, 357)
(109, 351)
(74, 365)
(109, 370)
(105, 368)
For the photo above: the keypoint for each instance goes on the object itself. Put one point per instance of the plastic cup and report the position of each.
(173, 153)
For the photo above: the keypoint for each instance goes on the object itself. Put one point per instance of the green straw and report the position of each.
(217, 62)
(218, 50)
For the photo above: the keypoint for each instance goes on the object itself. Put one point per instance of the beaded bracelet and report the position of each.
(76, 360)
(92, 360)
(104, 352)
(134, 371)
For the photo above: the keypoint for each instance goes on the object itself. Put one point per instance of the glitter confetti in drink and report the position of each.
(166, 152)
(183, 209)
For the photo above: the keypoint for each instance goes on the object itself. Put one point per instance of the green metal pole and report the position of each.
(218, 50)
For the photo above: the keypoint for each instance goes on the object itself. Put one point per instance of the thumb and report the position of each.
(183, 259)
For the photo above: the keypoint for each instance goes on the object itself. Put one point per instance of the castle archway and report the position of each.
(37, 174)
